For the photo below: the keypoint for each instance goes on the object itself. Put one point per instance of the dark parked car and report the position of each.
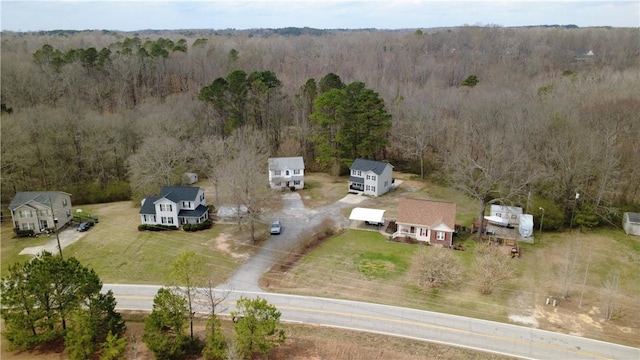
(85, 226)
(276, 227)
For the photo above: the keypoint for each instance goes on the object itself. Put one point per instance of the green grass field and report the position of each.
(119, 253)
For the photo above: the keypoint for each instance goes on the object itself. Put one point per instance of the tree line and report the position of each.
(507, 115)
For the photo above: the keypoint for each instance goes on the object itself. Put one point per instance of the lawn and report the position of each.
(11, 246)
(119, 253)
(363, 265)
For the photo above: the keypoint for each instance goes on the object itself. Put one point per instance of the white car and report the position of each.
(276, 227)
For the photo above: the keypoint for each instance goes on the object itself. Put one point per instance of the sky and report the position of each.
(124, 15)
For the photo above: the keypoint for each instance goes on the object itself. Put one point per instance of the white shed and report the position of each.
(631, 223)
(191, 178)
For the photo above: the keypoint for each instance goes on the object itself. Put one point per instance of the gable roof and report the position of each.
(179, 193)
(41, 197)
(282, 163)
(369, 165)
(148, 207)
(426, 212)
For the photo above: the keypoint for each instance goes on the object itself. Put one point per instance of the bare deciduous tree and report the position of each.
(434, 267)
(569, 266)
(491, 266)
(611, 287)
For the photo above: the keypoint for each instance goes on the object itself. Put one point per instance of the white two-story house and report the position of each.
(286, 172)
(176, 205)
(370, 177)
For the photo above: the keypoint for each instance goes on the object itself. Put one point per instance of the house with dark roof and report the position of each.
(370, 177)
(175, 206)
(286, 172)
(426, 220)
(38, 210)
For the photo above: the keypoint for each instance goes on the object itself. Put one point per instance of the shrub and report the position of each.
(197, 227)
(23, 233)
(156, 227)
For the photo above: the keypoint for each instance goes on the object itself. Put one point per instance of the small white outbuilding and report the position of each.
(526, 226)
(631, 223)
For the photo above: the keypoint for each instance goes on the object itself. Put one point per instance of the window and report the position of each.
(163, 219)
(368, 177)
(359, 173)
(386, 184)
(373, 188)
(68, 212)
(25, 213)
(64, 202)
(373, 177)
(277, 172)
(186, 204)
(367, 188)
(286, 173)
(296, 182)
(165, 207)
(353, 172)
(440, 235)
(144, 218)
(201, 197)
(32, 226)
(514, 217)
(170, 220)
(296, 172)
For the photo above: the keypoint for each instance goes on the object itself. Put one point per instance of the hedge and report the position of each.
(155, 227)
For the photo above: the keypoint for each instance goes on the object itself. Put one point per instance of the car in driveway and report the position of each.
(84, 226)
(276, 227)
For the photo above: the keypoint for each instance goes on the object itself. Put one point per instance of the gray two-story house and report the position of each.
(41, 210)
(370, 177)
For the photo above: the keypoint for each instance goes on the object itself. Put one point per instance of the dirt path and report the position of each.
(296, 219)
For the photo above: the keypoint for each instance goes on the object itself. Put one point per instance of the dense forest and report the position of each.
(504, 114)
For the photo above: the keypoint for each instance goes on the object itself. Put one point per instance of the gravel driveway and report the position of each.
(295, 218)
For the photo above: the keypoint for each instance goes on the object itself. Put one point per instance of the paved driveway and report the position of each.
(67, 237)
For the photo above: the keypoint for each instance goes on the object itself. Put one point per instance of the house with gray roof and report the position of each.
(370, 177)
(286, 172)
(39, 210)
(175, 206)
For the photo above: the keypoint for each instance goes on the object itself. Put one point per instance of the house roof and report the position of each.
(633, 217)
(369, 165)
(426, 212)
(282, 163)
(364, 214)
(179, 193)
(148, 207)
(41, 197)
(197, 213)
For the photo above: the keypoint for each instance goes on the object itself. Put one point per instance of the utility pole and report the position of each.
(541, 220)
(55, 226)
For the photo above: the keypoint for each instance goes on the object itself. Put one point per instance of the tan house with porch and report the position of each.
(426, 220)
(40, 210)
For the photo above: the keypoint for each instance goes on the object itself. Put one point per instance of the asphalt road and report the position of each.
(513, 340)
